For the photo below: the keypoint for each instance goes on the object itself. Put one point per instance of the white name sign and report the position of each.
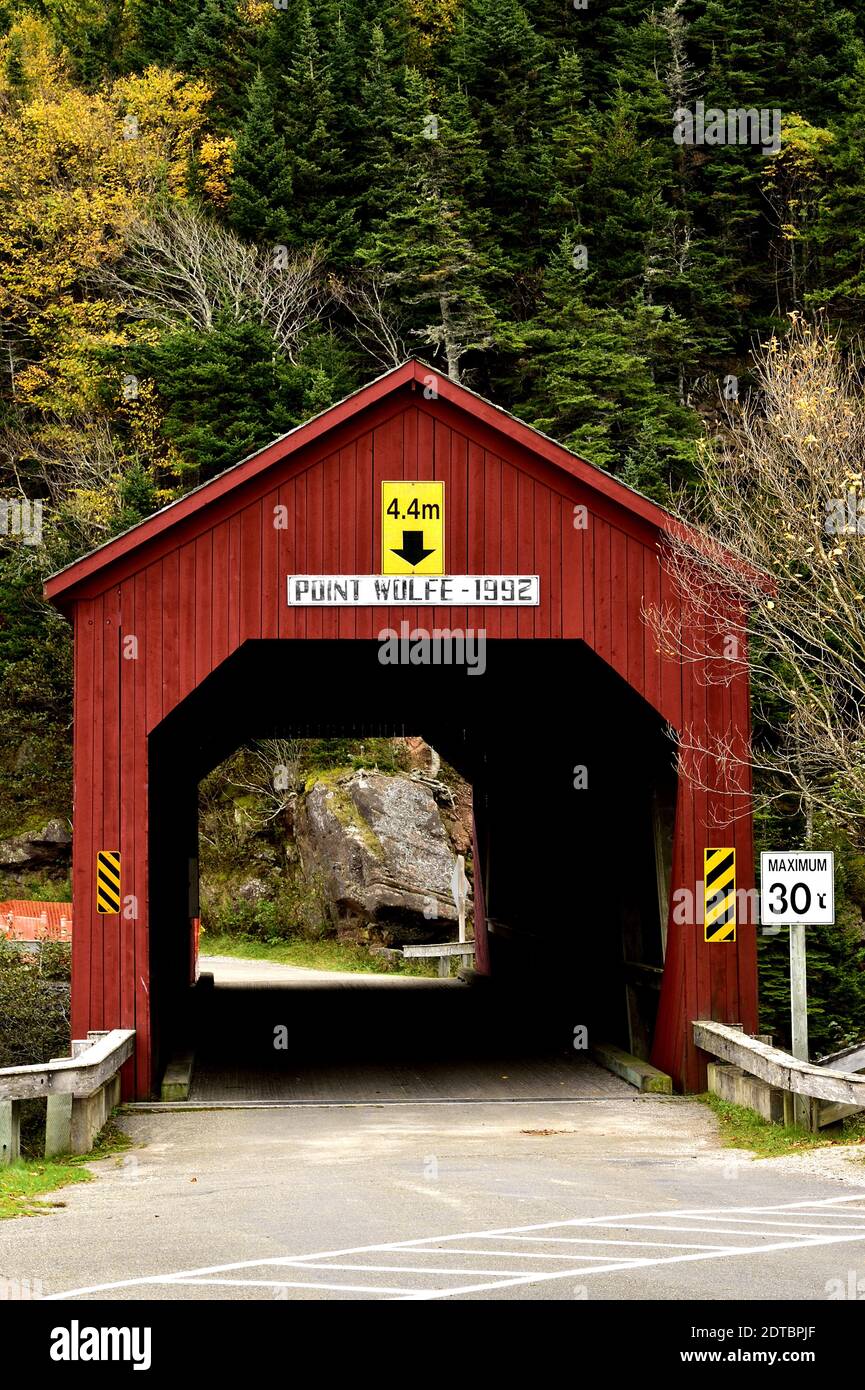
(414, 590)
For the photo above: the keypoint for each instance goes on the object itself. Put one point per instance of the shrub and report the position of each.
(293, 907)
(34, 1020)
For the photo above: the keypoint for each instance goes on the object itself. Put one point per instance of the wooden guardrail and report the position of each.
(442, 951)
(81, 1092)
(842, 1092)
(848, 1059)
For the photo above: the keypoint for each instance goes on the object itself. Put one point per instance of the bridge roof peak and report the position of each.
(412, 379)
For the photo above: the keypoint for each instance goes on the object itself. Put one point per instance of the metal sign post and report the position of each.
(799, 1013)
(798, 991)
(797, 889)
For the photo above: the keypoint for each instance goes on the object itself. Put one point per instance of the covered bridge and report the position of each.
(186, 646)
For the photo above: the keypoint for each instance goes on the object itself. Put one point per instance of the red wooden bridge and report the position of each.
(186, 647)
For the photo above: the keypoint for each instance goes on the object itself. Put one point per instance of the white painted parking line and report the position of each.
(801, 1229)
(599, 1240)
(695, 1230)
(818, 1225)
(421, 1269)
(585, 1272)
(281, 1284)
(500, 1254)
(839, 1218)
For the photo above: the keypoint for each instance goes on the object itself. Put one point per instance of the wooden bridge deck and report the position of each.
(377, 1038)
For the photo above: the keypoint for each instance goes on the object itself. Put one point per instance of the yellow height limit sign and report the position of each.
(108, 880)
(412, 528)
(719, 877)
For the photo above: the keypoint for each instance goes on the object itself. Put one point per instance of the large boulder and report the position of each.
(380, 848)
(51, 844)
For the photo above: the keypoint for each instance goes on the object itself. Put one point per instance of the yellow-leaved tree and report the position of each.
(78, 168)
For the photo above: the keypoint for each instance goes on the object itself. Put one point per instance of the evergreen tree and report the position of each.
(379, 148)
(426, 244)
(16, 72)
(89, 34)
(567, 153)
(608, 38)
(216, 46)
(224, 394)
(503, 65)
(787, 53)
(318, 167)
(590, 382)
(836, 982)
(346, 39)
(837, 236)
(261, 190)
(159, 29)
(622, 204)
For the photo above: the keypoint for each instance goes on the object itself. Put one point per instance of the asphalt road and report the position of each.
(587, 1199)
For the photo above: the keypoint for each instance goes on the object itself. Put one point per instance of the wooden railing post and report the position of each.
(10, 1131)
(58, 1125)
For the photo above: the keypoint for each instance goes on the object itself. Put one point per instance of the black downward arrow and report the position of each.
(413, 550)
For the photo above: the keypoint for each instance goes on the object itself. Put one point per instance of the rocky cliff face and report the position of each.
(365, 853)
(384, 856)
(49, 845)
(361, 842)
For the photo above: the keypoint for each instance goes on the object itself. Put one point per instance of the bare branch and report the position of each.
(783, 491)
(376, 324)
(180, 269)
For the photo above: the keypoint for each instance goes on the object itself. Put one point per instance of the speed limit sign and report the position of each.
(796, 886)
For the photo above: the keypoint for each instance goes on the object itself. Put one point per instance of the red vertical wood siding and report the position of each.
(193, 593)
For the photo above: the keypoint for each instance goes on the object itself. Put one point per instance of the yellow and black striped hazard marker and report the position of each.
(719, 876)
(108, 880)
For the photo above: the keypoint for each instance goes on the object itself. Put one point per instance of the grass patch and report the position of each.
(36, 886)
(111, 1139)
(325, 954)
(22, 1184)
(741, 1128)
